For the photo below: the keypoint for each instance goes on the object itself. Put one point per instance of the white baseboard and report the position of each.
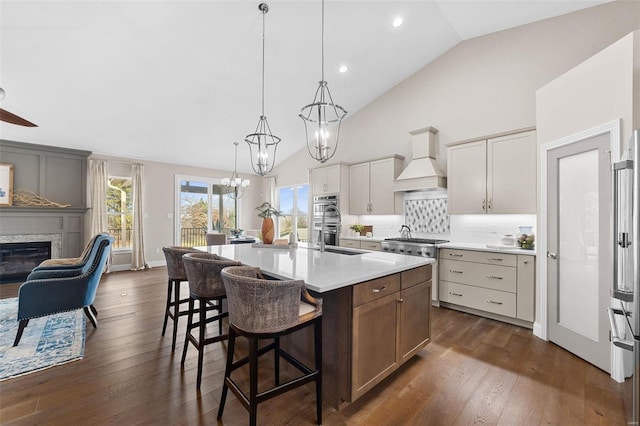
(537, 331)
(157, 263)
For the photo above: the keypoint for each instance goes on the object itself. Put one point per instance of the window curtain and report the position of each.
(98, 177)
(138, 260)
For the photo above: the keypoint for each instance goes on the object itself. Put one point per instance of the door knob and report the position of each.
(552, 255)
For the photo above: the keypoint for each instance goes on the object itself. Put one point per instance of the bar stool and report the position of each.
(175, 270)
(205, 286)
(268, 309)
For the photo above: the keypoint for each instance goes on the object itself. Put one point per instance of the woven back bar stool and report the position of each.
(205, 286)
(268, 309)
(177, 274)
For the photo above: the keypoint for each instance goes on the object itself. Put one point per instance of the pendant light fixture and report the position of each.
(235, 186)
(322, 118)
(262, 143)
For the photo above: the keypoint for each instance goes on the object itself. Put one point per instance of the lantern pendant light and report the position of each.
(235, 186)
(322, 118)
(262, 143)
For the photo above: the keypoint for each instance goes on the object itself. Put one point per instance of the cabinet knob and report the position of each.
(553, 256)
(400, 300)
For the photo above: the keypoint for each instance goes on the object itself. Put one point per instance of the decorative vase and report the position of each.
(267, 230)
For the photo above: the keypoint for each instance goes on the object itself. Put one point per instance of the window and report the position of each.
(294, 203)
(203, 206)
(119, 211)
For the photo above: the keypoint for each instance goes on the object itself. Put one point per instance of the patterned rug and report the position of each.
(46, 341)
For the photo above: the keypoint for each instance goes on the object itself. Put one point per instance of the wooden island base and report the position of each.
(368, 331)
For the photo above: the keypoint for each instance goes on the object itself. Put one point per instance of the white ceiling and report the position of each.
(179, 81)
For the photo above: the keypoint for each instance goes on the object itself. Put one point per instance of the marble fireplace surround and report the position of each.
(55, 239)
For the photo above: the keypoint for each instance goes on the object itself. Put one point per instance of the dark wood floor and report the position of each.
(475, 371)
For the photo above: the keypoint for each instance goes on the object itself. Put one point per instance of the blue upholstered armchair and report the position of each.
(50, 291)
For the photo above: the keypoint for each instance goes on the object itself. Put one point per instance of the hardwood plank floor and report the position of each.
(475, 371)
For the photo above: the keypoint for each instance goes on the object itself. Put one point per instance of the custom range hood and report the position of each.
(422, 173)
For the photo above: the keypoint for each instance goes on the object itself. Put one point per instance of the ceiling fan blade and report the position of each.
(14, 119)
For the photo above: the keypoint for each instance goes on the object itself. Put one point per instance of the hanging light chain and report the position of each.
(322, 42)
(264, 8)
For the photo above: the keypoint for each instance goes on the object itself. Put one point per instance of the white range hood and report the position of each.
(422, 173)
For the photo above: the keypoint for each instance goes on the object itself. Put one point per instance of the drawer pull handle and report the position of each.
(378, 290)
(494, 302)
(455, 255)
(455, 294)
(494, 277)
(497, 259)
(453, 271)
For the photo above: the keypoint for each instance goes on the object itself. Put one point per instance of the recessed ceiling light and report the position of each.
(397, 22)
(343, 68)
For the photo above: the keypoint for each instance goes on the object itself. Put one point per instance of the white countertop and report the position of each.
(320, 271)
(487, 247)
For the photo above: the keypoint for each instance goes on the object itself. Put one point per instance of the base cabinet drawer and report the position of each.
(498, 302)
(495, 277)
(367, 245)
(349, 243)
(371, 245)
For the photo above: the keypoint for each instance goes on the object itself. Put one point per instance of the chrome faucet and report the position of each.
(324, 214)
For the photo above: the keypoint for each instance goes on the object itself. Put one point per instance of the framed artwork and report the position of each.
(6, 184)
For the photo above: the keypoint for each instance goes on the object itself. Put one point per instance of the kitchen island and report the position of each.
(376, 309)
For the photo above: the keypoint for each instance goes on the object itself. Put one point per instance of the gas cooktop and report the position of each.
(417, 240)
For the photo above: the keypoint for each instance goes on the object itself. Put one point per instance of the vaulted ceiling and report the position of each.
(179, 81)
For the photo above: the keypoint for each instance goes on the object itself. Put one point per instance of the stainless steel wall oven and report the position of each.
(331, 230)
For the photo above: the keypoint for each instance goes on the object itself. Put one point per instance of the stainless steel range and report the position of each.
(413, 246)
(423, 247)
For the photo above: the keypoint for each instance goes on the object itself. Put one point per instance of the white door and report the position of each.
(579, 248)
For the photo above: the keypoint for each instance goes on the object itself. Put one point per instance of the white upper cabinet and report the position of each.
(467, 178)
(496, 176)
(371, 187)
(326, 180)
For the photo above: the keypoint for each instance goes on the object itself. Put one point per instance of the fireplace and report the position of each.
(20, 253)
(18, 259)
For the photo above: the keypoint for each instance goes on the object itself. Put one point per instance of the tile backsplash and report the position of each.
(425, 214)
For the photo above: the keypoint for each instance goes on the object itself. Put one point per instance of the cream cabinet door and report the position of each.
(467, 177)
(333, 179)
(381, 177)
(359, 188)
(319, 178)
(511, 174)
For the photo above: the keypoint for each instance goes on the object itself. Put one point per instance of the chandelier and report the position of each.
(262, 143)
(322, 118)
(235, 186)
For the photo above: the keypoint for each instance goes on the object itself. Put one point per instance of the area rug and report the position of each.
(46, 341)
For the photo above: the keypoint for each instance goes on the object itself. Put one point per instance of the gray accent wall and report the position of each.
(57, 174)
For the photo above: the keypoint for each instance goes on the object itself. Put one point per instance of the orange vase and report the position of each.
(267, 230)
